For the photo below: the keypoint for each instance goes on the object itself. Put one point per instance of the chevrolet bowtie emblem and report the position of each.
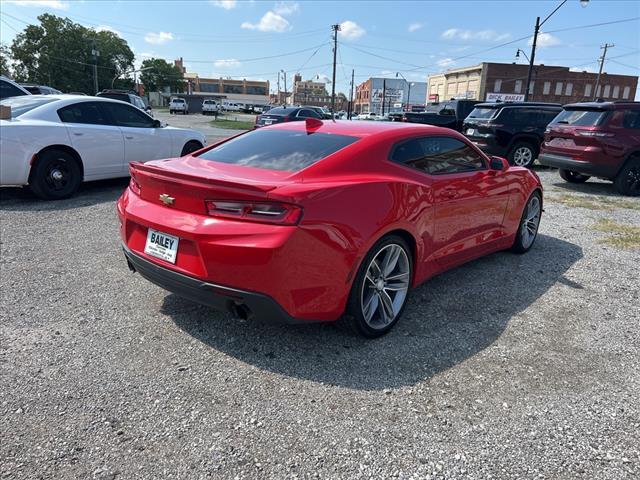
(166, 199)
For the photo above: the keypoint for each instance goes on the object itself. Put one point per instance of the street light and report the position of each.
(521, 52)
(536, 30)
(406, 108)
(130, 71)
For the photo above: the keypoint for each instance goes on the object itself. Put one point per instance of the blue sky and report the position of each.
(378, 38)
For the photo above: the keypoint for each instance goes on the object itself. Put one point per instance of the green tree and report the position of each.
(58, 52)
(4, 61)
(160, 75)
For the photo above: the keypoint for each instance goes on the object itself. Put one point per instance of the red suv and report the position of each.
(600, 139)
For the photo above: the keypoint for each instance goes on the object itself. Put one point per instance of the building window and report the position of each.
(607, 91)
(497, 85)
(598, 90)
(616, 92)
(256, 90)
(569, 90)
(209, 87)
(559, 88)
(625, 93)
(587, 90)
(531, 86)
(547, 88)
(518, 86)
(232, 88)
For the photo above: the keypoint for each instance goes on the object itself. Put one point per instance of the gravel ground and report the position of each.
(508, 367)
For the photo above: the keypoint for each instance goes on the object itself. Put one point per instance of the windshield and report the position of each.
(483, 112)
(178, 100)
(25, 103)
(286, 150)
(580, 118)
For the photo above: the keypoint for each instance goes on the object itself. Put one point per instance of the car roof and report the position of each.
(517, 104)
(365, 128)
(603, 105)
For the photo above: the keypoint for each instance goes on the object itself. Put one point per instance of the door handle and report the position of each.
(78, 134)
(128, 137)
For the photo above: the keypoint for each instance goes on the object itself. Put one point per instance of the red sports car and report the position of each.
(323, 220)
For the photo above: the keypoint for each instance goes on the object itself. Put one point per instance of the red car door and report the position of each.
(469, 199)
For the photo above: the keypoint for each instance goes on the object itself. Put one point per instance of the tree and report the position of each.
(4, 61)
(58, 53)
(161, 75)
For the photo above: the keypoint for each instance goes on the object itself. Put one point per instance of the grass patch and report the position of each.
(593, 202)
(621, 236)
(232, 124)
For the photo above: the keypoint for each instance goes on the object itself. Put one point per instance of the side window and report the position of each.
(548, 115)
(306, 113)
(85, 112)
(438, 155)
(631, 119)
(128, 116)
(8, 90)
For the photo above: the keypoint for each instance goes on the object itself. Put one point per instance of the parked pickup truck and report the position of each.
(210, 107)
(179, 105)
(446, 114)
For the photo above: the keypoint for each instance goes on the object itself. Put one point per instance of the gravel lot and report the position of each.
(508, 367)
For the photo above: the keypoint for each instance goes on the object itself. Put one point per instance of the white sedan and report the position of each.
(54, 142)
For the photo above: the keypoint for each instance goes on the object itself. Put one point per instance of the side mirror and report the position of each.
(157, 124)
(499, 163)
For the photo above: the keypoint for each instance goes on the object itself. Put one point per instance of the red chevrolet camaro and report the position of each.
(321, 220)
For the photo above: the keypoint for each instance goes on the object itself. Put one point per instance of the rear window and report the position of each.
(177, 100)
(115, 96)
(483, 112)
(581, 117)
(282, 111)
(285, 150)
(25, 103)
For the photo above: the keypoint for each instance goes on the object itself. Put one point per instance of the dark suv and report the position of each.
(126, 96)
(599, 139)
(511, 130)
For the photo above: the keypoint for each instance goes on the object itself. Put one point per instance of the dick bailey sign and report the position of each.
(505, 97)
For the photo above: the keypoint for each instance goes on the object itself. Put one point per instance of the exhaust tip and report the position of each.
(241, 311)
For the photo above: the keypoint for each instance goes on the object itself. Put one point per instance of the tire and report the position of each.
(529, 223)
(573, 177)
(55, 175)
(378, 321)
(522, 154)
(190, 147)
(628, 180)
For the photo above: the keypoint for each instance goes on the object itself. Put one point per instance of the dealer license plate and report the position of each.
(161, 245)
(268, 122)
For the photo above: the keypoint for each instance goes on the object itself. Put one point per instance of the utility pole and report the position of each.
(384, 93)
(95, 54)
(336, 29)
(532, 57)
(350, 110)
(278, 96)
(285, 87)
(605, 47)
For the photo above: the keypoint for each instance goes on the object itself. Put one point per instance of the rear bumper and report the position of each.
(240, 303)
(568, 163)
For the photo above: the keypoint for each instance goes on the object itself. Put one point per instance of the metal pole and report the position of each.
(285, 88)
(384, 93)
(335, 29)
(278, 99)
(350, 112)
(532, 58)
(604, 54)
(408, 98)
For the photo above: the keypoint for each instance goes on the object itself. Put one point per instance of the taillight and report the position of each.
(591, 133)
(134, 186)
(263, 212)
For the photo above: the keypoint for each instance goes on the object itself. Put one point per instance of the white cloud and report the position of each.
(226, 63)
(546, 40)
(226, 4)
(54, 4)
(486, 35)
(415, 26)
(351, 30)
(107, 28)
(583, 69)
(445, 62)
(159, 38)
(270, 22)
(286, 8)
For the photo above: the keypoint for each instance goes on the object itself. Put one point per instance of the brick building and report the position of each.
(506, 81)
(388, 95)
(254, 92)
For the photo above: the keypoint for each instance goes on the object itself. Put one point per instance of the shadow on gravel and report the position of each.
(90, 193)
(448, 319)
